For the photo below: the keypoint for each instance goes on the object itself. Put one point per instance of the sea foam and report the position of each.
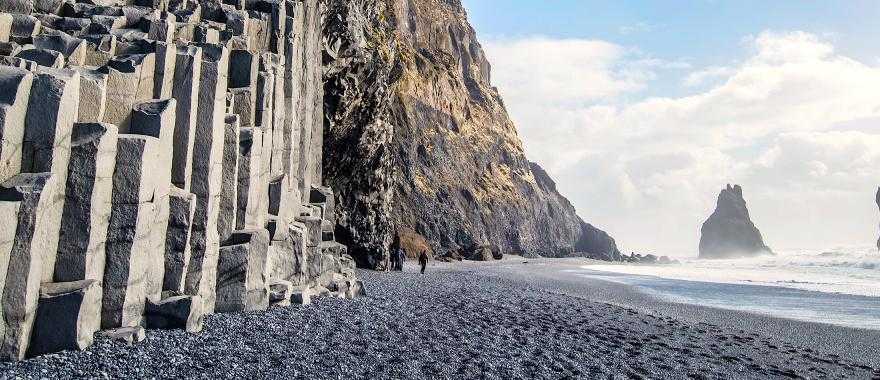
(848, 270)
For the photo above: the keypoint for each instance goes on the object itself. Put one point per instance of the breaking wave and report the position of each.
(847, 270)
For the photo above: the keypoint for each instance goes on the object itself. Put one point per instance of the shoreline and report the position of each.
(854, 343)
(472, 320)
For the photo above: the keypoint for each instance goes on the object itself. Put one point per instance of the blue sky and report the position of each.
(642, 111)
(703, 29)
(700, 32)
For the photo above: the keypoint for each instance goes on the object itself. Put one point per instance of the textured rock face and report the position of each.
(426, 144)
(359, 58)
(135, 138)
(729, 231)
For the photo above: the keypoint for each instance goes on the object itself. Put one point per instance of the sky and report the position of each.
(643, 111)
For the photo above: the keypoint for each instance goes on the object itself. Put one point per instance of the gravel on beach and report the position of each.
(446, 324)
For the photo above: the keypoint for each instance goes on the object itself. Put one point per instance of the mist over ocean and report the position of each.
(839, 286)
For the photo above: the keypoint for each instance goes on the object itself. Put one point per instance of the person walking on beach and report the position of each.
(401, 258)
(423, 260)
(393, 258)
(397, 259)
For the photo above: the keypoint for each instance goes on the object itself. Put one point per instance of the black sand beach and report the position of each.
(556, 276)
(472, 321)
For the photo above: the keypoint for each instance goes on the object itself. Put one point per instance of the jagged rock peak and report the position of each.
(729, 231)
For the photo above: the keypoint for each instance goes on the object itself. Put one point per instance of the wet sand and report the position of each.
(557, 276)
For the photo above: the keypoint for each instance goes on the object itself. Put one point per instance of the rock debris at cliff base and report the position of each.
(459, 324)
(159, 161)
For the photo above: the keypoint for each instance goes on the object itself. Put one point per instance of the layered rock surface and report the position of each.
(157, 161)
(427, 145)
(729, 231)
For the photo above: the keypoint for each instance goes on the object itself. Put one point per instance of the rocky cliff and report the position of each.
(729, 231)
(419, 144)
(159, 161)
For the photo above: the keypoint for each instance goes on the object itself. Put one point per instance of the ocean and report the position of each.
(838, 286)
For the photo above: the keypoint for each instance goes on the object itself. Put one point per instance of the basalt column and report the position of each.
(157, 163)
(207, 165)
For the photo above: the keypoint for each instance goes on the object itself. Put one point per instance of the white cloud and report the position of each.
(795, 122)
(562, 71)
(700, 77)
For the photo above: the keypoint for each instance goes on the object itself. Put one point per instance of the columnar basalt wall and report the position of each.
(159, 161)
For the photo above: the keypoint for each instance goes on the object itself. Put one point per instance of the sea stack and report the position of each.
(729, 232)
(878, 205)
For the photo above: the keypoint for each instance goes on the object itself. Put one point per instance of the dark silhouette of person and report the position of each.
(423, 260)
(401, 258)
(394, 257)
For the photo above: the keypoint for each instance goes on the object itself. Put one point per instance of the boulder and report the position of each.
(729, 231)
(452, 255)
(68, 315)
(481, 253)
(287, 259)
(178, 312)
(320, 291)
(128, 335)
(242, 283)
(356, 289)
(280, 292)
(312, 229)
(19, 63)
(339, 288)
(327, 259)
(301, 295)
